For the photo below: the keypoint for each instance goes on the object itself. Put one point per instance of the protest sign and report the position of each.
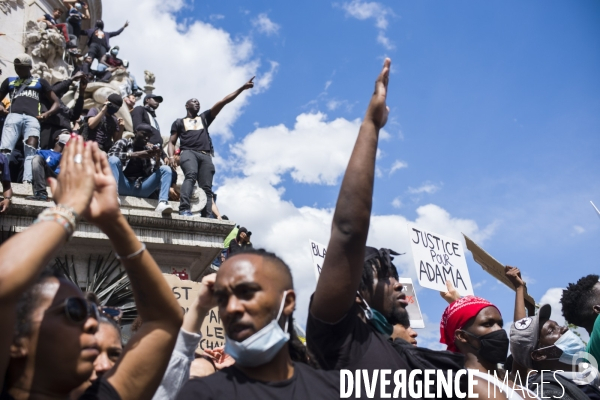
(213, 334)
(496, 269)
(413, 308)
(318, 252)
(438, 258)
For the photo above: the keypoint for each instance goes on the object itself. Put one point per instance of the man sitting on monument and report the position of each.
(99, 41)
(109, 63)
(103, 126)
(51, 22)
(146, 114)
(46, 164)
(24, 116)
(255, 295)
(135, 163)
(197, 149)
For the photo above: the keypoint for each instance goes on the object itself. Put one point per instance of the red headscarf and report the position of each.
(456, 316)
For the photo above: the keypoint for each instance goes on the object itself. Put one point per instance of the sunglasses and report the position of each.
(77, 309)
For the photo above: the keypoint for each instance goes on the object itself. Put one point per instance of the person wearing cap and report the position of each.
(146, 114)
(104, 127)
(24, 115)
(197, 149)
(241, 242)
(46, 164)
(109, 63)
(135, 164)
(7, 192)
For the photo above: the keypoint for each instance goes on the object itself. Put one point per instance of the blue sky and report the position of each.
(495, 115)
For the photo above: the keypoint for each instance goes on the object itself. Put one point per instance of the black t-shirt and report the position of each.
(135, 168)
(103, 133)
(230, 384)
(100, 390)
(28, 101)
(192, 135)
(351, 344)
(98, 38)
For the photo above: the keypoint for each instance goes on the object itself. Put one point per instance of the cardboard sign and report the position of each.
(438, 258)
(318, 252)
(413, 308)
(213, 333)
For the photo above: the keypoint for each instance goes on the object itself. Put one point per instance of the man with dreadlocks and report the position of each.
(581, 306)
(347, 329)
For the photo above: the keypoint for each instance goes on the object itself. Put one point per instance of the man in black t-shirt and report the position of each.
(104, 126)
(24, 115)
(255, 295)
(346, 331)
(146, 114)
(197, 149)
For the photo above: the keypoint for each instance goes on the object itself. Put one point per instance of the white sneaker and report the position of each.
(164, 207)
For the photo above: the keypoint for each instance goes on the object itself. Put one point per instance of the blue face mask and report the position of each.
(570, 344)
(261, 347)
(377, 319)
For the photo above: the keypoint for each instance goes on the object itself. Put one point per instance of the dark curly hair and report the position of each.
(298, 351)
(578, 301)
(379, 261)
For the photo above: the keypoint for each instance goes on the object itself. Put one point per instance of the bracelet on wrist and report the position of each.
(132, 255)
(62, 215)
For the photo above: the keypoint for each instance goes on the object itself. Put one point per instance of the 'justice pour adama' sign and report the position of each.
(438, 258)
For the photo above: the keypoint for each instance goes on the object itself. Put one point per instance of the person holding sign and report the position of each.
(341, 332)
(255, 295)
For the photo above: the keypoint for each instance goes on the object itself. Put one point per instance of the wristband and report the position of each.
(132, 255)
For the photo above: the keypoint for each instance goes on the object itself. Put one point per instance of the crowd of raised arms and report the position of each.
(56, 342)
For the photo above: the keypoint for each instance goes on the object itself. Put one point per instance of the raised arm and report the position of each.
(21, 263)
(117, 33)
(514, 276)
(342, 268)
(216, 109)
(144, 361)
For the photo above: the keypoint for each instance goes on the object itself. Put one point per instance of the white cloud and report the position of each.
(397, 165)
(316, 151)
(216, 17)
(265, 25)
(313, 151)
(327, 84)
(226, 62)
(397, 202)
(383, 40)
(428, 188)
(578, 229)
(363, 10)
(552, 297)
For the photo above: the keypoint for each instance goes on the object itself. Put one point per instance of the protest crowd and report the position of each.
(57, 342)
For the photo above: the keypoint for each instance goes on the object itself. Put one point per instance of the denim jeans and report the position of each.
(41, 172)
(161, 178)
(15, 127)
(197, 166)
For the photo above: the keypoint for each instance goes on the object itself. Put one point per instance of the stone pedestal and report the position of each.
(180, 245)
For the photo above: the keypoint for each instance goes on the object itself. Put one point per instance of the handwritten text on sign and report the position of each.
(213, 334)
(438, 258)
(318, 252)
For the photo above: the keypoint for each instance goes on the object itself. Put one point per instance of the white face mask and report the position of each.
(571, 345)
(261, 347)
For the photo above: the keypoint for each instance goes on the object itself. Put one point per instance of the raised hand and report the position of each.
(74, 186)
(378, 111)
(206, 298)
(219, 358)
(514, 276)
(451, 295)
(104, 206)
(249, 84)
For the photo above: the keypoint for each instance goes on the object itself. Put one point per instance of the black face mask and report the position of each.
(494, 346)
